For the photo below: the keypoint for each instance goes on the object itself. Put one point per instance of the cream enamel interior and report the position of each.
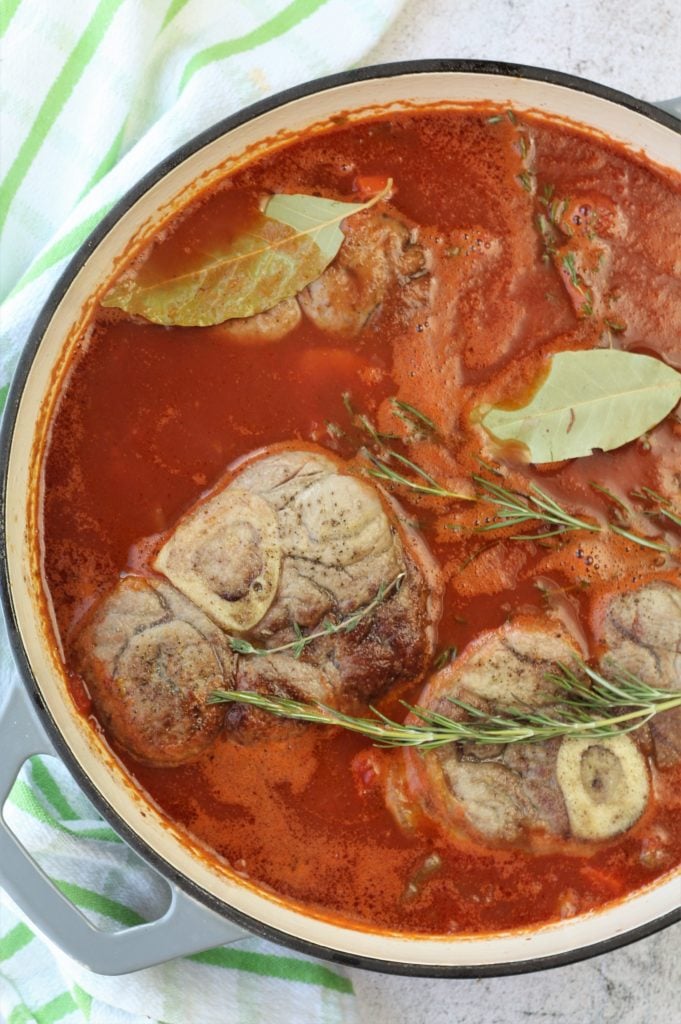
(661, 145)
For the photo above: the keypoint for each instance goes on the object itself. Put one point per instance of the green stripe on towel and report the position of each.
(44, 780)
(285, 967)
(20, 1015)
(86, 899)
(23, 797)
(7, 11)
(173, 11)
(15, 939)
(276, 26)
(109, 160)
(52, 105)
(82, 999)
(57, 1008)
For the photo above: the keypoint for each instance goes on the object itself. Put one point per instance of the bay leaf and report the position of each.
(285, 248)
(316, 218)
(599, 398)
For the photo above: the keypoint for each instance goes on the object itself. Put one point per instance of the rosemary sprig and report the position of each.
(515, 508)
(644, 542)
(608, 708)
(412, 417)
(622, 508)
(663, 506)
(537, 506)
(424, 484)
(328, 628)
(361, 421)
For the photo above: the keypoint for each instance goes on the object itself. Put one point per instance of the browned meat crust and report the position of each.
(532, 795)
(150, 658)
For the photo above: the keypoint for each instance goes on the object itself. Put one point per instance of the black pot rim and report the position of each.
(453, 66)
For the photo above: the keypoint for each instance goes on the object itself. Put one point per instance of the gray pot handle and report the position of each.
(186, 927)
(671, 106)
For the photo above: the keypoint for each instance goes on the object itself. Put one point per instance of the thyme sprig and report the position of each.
(607, 708)
(328, 628)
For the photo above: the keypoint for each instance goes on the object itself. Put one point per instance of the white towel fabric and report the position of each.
(93, 95)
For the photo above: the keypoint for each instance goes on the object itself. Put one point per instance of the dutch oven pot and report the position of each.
(209, 906)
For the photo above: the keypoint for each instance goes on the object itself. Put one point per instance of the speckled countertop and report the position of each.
(633, 46)
(636, 47)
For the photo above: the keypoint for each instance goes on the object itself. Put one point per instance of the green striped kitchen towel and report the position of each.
(94, 93)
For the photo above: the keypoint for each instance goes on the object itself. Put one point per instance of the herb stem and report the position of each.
(413, 417)
(609, 707)
(663, 505)
(382, 471)
(538, 506)
(645, 542)
(329, 628)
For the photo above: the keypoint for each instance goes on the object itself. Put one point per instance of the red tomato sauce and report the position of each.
(150, 417)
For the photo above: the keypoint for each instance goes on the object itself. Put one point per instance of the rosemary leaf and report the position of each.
(644, 542)
(412, 416)
(663, 505)
(612, 705)
(444, 657)
(328, 628)
(476, 554)
(334, 430)
(363, 423)
(536, 506)
(624, 508)
(568, 261)
(424, 484)
(347, 402)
